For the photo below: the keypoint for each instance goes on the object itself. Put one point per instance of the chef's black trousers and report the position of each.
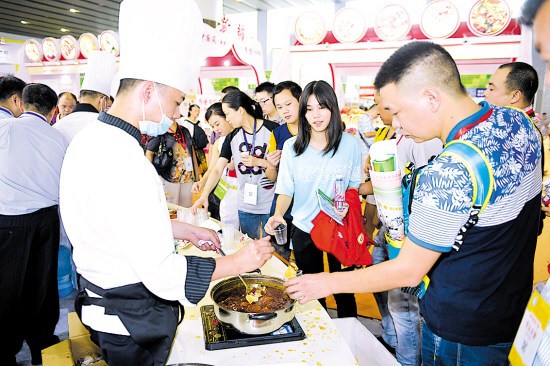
(310, 260)
(29, 301)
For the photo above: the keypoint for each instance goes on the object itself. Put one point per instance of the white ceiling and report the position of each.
(47, 17)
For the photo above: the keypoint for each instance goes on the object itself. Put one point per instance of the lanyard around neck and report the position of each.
(180, 141)
(468, 127)
(36, 115)
(250, 148)
(7, 111)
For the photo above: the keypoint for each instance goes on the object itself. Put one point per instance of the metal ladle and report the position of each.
(248, 288)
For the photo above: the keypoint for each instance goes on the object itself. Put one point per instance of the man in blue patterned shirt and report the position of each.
(477, 294)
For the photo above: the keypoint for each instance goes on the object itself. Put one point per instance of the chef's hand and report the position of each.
(203, 238)
(274, 157)
(197, 186)
(308, 287)
(254, 255)
(202, 201)
(273, 222)
(546, 210)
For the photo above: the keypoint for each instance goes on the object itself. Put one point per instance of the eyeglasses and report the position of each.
(263, 102)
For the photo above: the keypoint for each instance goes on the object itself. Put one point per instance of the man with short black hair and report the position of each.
(10, 96)
(264, 97)
(31, 154)
(226, 90)
(481, 274)
(513, 84)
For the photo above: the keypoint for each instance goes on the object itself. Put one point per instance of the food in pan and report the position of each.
(272, 299)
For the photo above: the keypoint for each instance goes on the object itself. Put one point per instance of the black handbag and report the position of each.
(163, 158)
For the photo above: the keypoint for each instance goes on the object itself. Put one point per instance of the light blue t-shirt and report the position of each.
(301, 176)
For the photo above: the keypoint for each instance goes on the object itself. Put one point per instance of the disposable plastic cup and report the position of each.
(202, 216)
(228, 234)
(181, 214)
(280, 234)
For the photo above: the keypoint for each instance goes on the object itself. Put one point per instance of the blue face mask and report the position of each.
(151, 128)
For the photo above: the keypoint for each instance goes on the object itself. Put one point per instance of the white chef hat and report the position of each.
(99, 72)
(160, 41)
(115, 85)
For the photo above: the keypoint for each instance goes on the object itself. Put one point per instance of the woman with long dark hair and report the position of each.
(310, 161)
(248, 146)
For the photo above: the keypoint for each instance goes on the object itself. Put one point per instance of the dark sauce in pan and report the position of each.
(274, 299)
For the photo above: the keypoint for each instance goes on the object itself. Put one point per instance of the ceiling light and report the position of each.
(25, 22)
(74, 10)
(64, 30)
(226, 63)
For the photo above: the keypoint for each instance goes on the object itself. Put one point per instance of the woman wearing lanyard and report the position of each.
(310, 161)
(228, 206)
(247, 145)
(177, 180)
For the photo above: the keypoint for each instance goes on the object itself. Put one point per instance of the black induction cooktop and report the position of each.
(217, 335)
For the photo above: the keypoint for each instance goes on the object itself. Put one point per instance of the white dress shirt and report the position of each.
(31, 154)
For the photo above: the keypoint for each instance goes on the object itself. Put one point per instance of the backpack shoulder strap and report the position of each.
(479, 168)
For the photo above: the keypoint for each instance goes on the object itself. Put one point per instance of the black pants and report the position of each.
(29, 301)
(310, 260)
(284, 249)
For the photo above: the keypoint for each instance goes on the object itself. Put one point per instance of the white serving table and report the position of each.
(324, 344)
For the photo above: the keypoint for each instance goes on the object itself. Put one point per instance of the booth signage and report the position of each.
(33, 50)
(440, 19)
(70, 50)
(349, 25)
(489, 18)
(310, 28)
(88, 43)
(109, 42)
(52, 51)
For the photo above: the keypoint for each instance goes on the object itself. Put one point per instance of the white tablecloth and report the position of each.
(324, 343)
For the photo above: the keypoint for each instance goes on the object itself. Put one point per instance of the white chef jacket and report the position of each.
(73, 123)
(115, 213)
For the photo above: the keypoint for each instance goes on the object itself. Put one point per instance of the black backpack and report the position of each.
(163, 158)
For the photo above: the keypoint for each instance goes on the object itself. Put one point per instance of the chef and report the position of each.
(94, 94)
(113, 205)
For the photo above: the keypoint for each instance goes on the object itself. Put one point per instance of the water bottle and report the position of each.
(64, 284)
(339, 193)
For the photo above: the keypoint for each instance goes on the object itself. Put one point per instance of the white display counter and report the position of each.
(325, 343)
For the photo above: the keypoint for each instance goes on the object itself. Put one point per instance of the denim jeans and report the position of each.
(441, 352)
(251, 223)
(400, 314)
